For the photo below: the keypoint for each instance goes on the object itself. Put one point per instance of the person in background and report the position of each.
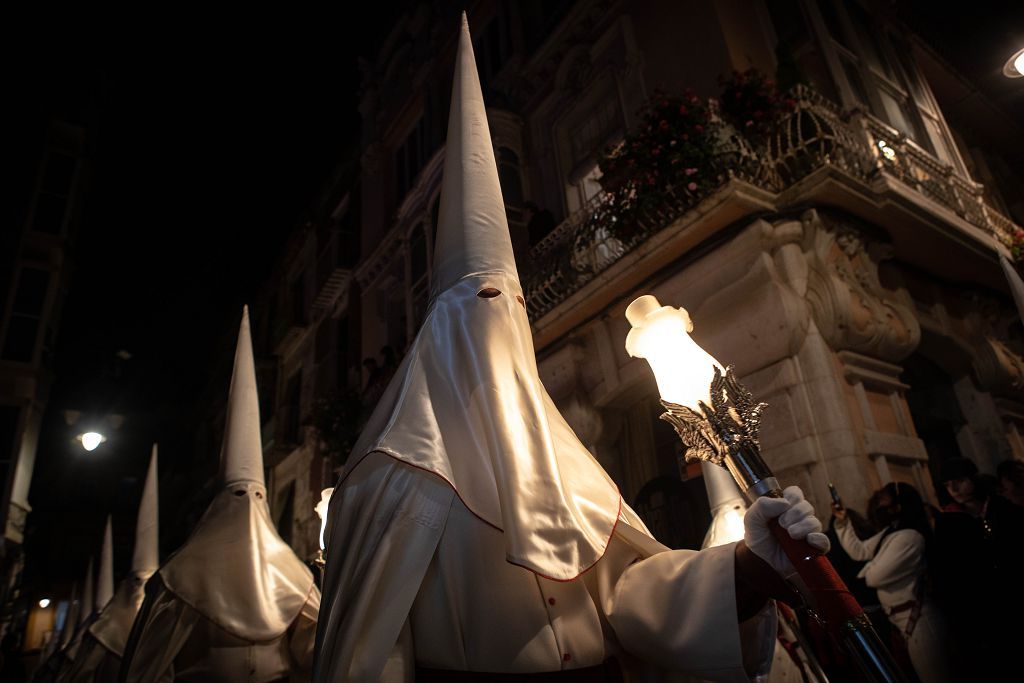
(539, 222)
(1011, 481)
(978, 563)
(895, 567)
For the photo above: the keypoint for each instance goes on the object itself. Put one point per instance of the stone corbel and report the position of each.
(561, 375)
(996, 344)
(998, 368)
(850, 306)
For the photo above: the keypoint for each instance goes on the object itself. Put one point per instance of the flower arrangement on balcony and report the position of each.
(1017, 246)
(752, 104)
(669, 155)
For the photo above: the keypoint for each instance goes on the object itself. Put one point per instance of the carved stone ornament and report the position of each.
(851, 308)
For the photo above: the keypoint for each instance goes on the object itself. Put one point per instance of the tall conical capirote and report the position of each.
(71, 618)
(146, 554)
(88, 604)
(727, 506)
(241, 455)
(472, 230)
(105, 580)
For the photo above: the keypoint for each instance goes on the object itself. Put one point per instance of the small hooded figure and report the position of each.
(234, 603)
(99, 657)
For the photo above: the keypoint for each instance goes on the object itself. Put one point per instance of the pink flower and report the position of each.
(748, 124)
(672, 143)
(690, 171)
(683, 109)
(691, 187)
(699, 128)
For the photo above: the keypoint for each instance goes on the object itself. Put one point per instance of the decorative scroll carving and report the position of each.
(852, 309)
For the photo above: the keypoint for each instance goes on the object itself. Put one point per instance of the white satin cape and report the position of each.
(468, 405)
(413, 578)
(236, 571)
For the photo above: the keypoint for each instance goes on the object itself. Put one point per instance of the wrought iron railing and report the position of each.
(816, 134)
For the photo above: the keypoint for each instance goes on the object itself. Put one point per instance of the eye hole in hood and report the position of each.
(488, 293)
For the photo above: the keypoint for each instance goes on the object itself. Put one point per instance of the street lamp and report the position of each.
(91, 440)
(1014, 67)
(718, 421)
(44, 603)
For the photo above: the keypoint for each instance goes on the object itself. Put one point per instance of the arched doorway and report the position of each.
(936, 413)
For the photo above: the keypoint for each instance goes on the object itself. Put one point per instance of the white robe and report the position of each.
(415, 578)
(171, 641)
(895, 567)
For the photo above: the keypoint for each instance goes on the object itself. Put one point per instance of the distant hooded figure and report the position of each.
(99, 657)
(92, 604)
(234, 603)
(471, 531)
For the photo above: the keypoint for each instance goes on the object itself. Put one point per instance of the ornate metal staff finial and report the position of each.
(729, 424)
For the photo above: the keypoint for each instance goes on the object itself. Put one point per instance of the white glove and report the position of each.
(795, 515)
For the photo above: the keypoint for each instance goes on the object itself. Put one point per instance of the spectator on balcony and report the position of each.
(373, 386)
(390, 363)
(539, 222)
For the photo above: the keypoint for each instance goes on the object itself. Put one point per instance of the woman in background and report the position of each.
(896, 565)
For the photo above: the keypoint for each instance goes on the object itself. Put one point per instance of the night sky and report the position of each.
(210, 137)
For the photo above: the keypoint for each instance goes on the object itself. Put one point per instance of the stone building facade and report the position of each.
(847, 265)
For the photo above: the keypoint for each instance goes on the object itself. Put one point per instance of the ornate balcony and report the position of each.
(816, 142)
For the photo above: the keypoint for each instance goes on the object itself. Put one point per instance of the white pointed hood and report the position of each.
(235, 569)
(114, 623)
(88, 605)
(241, 455)
(146, 554)
(727, 506)
(467, 402)
(105, 581)
(71, 619)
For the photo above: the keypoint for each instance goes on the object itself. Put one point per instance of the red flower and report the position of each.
(663, 124)
(691, 187)
(683, 109)
(699, 128)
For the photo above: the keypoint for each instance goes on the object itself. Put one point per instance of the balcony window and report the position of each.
(26, 315)
(874, 68)
(292, 408)
(54, 192)
(298, 301)
(410, 159)
(511, 179)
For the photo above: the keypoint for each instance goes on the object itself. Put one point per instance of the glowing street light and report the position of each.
(44, 603)
(91, 440)
(717, 420)
(1014, 67)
